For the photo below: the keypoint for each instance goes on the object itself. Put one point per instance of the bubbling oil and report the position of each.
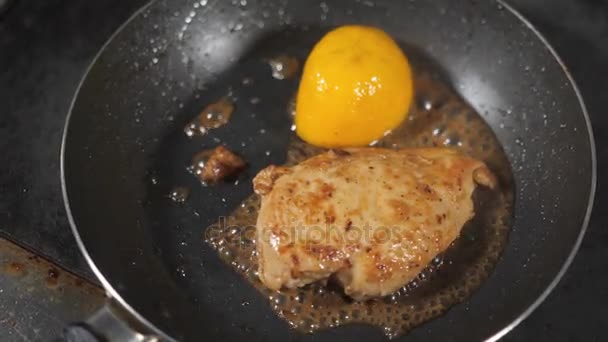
(439, 117)
(213, 116)
(284, 67)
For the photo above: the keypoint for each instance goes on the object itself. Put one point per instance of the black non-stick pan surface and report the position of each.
(124, 150)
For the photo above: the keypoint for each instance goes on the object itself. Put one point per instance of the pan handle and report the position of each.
(106, 324)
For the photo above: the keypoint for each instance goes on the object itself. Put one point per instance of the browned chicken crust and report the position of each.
(373, 218)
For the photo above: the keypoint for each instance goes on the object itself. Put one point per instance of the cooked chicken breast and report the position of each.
(372, 217)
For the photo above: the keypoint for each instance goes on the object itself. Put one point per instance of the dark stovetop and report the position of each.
(45, 47)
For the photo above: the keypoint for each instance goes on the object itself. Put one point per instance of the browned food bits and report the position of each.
(218, 164)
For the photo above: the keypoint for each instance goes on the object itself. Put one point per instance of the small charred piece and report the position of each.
(218, 164)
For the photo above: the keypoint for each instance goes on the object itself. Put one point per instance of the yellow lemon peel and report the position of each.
(356, 86)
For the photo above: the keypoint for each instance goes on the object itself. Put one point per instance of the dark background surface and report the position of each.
(45, 47)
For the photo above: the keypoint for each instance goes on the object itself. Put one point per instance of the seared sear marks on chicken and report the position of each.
(372, 218)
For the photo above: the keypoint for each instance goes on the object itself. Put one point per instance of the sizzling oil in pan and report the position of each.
(440, 117)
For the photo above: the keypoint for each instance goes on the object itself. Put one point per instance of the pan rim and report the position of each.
(109, 289)
(114, 295)
(541, 298)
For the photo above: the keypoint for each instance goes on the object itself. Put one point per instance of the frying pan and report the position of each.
(124, 149)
